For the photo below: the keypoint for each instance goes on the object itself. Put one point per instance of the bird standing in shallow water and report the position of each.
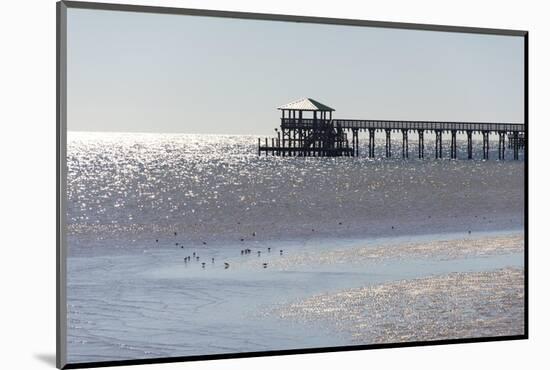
(226, 265)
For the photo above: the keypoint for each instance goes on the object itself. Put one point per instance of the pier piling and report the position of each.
(371, 142)
(469, 136)
(438, 144)
(485, 144)
(420, 144)
(515, 136)
(501, 144)
(405, 143)
(388, 143)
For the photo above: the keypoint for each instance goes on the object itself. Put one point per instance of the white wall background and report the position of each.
(27, 145)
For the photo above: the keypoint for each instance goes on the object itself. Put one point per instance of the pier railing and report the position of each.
(351, 124)
(329, 137)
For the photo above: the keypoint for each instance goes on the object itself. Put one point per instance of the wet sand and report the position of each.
(319, 293)
(435, 250)
(451, 306)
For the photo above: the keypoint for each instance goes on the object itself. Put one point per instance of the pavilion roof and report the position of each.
(306, 104)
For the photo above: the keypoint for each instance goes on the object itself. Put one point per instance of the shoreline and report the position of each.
(130, 242)
(158, 285)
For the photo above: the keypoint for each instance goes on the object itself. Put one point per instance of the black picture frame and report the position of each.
(61, 127)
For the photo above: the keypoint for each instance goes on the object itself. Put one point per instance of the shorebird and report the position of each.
(254, 233)
(242, 252)
(212, 259)
(226, 265)
(281, 252)
(203, 264)
(242, 239)
(175, 233)
(269, 249)
(259, 253)
(197, 258)
(265, 265)
(193, 254)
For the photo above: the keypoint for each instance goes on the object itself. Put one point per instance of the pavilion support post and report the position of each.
(301, 138)
(283, 145)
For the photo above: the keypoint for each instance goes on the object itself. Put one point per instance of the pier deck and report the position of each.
(321, 135)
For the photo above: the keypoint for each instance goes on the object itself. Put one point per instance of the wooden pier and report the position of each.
(322, 136)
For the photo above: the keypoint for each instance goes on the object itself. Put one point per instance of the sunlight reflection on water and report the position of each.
(216, 187)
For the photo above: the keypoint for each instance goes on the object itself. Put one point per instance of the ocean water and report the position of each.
(205, 188)
(139, 204)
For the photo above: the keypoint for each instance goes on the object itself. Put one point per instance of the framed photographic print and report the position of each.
(235, 184)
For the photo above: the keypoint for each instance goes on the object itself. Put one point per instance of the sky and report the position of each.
(142, 72)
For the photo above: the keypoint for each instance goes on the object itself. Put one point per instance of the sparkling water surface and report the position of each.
(216, 189)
